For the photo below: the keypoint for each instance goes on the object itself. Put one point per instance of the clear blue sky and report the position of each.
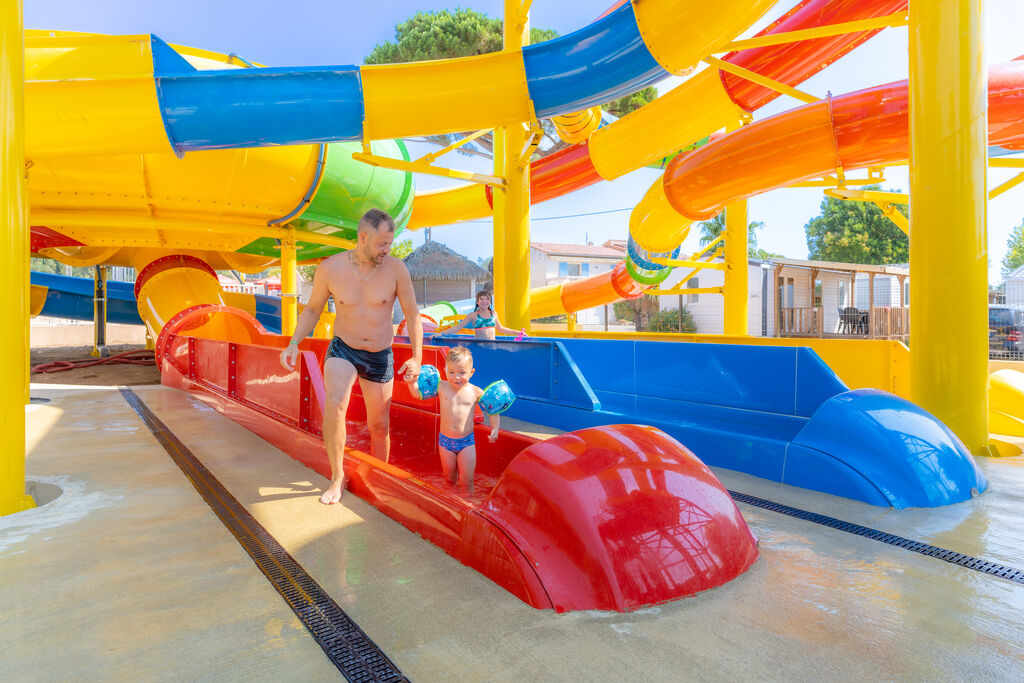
(315, 32)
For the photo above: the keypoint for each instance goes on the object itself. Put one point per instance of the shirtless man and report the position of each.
(364, 283)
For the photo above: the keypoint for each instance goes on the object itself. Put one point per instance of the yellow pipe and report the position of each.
(101, 101)
(13, 270)
(662, 24)
(695, 109)
(167, 293)
(450, 205)
(403, 100)
(546, 301)
(948, 145)
(1006, 398)
(654, 224)
(289, 288)
(577, 126)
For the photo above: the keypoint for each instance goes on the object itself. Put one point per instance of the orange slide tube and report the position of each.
(862, 129)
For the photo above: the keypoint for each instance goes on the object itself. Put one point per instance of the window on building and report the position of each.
(566, 269)
(817, 293)
(842, 294)
(693, 283)
(906, 293)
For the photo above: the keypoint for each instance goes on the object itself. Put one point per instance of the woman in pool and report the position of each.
(483, 320)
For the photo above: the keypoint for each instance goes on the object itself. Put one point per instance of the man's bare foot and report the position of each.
(333, 493)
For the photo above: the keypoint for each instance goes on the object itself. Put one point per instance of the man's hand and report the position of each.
(289, 355)
(410, 370)
(493, 436)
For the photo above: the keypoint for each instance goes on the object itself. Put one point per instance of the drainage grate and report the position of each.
(356, 656)
(1000, 570)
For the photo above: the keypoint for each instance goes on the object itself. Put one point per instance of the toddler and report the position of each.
(457, 398)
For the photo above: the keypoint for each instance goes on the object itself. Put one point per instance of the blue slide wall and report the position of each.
(779, 413)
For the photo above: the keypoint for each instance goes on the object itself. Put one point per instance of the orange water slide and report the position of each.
(858, 130)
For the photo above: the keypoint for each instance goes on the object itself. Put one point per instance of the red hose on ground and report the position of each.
(137, 357)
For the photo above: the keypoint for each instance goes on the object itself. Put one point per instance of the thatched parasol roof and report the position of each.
(434, 261)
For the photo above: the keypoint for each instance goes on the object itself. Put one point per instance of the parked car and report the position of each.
(1005, 331)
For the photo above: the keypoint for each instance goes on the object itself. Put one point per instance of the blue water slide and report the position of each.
(268, 312)
(779, 413)
(230, 108)
(72, 298)
(601, 62)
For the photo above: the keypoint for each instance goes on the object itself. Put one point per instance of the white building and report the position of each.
(708, 309)
(1015, 287)
(552, 263)
(791, 297)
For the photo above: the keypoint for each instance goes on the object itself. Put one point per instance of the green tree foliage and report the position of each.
(629, 103)
(559, 319)
(855, 232)
(710, 230)
(446, 35)
(668, 321)
(45, 265)
(401, 249)
(639, 311)
(1014, 250)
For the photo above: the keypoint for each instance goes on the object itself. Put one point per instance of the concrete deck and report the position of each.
(129, 575)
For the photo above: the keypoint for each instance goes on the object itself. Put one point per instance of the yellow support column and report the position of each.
(515, 275)
(734, 311)
(498, 216)
(736, 285)
(289, 288)
(948, 236)
(13, 267)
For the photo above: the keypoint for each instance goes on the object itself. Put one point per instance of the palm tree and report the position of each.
(710, 230)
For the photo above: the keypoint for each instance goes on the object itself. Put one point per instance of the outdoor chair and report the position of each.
(850, 321)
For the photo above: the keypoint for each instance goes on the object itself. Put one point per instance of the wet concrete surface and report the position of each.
(819, 603)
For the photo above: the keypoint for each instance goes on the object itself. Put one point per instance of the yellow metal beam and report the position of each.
(709, 246)
(419, 167)
(892, 20)
(684, 290)
(888, 202)
(1008, 185)
(1003, 162)
(684, 263)
(775, 85)
(892, 212)
(433, 156)
(831, 181)
(870, 196)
